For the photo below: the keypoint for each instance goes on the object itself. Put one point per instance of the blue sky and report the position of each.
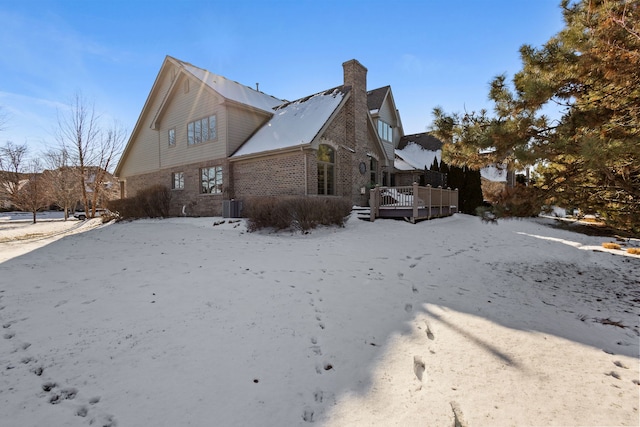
(432, 52)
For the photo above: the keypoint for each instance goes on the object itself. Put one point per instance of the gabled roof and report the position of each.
(376, 97)
(233, 90)
(295, 123)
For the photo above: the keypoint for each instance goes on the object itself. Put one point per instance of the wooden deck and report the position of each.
(412, 203)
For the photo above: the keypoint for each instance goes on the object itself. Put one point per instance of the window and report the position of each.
(385, 131)
(177, 180)
(201, 130)
(172, 136)
(211, 180)
(326, 170)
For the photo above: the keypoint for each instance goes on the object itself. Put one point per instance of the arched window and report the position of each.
(326, 170)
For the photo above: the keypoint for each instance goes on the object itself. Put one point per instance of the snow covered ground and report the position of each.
(179, 322)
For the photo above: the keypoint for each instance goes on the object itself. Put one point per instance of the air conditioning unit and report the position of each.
(232, 208)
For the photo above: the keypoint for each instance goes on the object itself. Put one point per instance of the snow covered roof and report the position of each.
(295, 123)
(416, 156)
(402, 165)
(232, 90)
(494, 173)
(425, 140)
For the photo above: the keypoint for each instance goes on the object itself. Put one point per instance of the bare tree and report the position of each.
(12, 162)
(79, 133)
(4, 118)
(64, 179)
(33, 190)
(109, 145)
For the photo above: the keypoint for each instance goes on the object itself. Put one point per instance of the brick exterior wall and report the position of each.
(282, 175)
(406, 178)
(189, 198)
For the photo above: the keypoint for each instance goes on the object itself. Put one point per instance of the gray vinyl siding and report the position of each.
(182, 109)
(150, 150)
(143, 155)
(242, 124)
(386, 114)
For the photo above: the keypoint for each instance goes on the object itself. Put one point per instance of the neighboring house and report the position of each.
(107, 190)
(8, 183)
(211, 139)
(415, 157)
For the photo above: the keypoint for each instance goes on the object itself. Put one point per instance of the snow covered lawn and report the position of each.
(178, 322)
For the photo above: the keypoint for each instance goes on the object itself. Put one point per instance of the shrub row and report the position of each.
(300, 213)
(151, 202)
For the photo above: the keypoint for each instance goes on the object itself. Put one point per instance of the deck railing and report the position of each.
(412, 202)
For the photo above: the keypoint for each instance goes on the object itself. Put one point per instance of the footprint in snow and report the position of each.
(307, 415)
(418, 367)
(408, 308)
(429, 331)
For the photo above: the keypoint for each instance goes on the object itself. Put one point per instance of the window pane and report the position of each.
(218, 180)
(191, 133)
(212, 127)
(198, 132)
(321, 179)
(204, 180)
(172, 137)
(330, 180)
(325, 153)
(205, 129)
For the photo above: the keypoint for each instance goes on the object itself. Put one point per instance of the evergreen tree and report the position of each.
(435, 166)
(468, 183)
(590, 156)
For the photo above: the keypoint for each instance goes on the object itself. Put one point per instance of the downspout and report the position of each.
(306, 178)
(159, 151)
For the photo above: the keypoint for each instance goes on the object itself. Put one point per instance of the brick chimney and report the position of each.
(356, 132)
(355, 76)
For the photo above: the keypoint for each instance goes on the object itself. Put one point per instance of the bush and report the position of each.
(151, 202)
(300, 213)
(633, 251)
(610, 245)
(155, 200)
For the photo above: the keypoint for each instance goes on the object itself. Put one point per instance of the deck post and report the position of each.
(456, 200)
(372, 204)
(415, 202)
(428, 201)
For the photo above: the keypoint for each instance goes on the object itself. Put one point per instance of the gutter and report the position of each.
(270, 152)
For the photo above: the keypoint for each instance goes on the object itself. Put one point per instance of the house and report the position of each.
(212, 140)
(418, 158)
